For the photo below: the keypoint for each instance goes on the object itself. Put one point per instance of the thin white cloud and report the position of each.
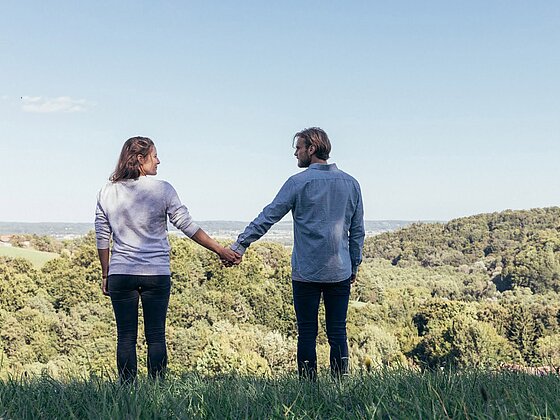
(42, 104)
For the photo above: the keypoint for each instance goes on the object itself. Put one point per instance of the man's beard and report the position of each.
(304, 163)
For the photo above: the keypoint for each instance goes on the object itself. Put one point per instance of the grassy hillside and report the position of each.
(38, 258)
(381, 395)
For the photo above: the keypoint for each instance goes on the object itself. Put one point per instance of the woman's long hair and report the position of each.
(128, 166)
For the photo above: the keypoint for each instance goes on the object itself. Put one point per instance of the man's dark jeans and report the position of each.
(125, 291)
(306, 302)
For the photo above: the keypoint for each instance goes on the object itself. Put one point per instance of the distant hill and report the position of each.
(516, 248)
(281, 232)
(49, 229)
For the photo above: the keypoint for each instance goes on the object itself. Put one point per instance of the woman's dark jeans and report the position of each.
(306, 302)
(125, 291)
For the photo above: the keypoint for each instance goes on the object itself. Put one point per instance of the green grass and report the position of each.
(397, 394)
(37, 258)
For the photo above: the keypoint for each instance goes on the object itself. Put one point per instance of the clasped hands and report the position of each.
(228, 257)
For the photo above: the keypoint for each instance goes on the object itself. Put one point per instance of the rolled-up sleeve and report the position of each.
(357, 234)
(274, 212)
(179, 215)
(102, 228)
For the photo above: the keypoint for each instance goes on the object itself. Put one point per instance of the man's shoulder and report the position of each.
(310, 174)
(303, 177)
(347, 176)
(299, 176)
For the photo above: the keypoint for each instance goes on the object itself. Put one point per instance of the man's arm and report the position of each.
(275, 211)
(356, 236)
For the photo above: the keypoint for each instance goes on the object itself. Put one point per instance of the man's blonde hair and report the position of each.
(318, 138)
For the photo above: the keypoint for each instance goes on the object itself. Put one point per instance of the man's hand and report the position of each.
(353, 278)
(230, 257)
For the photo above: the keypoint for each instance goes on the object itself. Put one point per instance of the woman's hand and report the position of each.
(104, 287)
(104, 260)
(229, 257)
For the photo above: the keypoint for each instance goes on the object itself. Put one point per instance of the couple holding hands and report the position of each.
(133, 210)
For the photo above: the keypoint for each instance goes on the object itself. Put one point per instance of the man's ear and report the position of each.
(312, 149)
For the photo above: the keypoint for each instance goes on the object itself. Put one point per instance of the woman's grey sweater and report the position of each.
(135, 213)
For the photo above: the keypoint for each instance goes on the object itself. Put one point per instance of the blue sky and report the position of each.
(440, 109)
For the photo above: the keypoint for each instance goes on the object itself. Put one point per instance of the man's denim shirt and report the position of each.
(328, 215)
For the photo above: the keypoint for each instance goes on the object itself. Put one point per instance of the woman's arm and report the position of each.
(104, 260)
(180, 217)
(103, 233)
(226, 254)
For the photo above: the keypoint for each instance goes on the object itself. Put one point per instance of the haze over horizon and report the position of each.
(439, 109)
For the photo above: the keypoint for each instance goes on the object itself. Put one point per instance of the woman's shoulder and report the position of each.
(107, 186)
(159, 185)
(160, 182)
(142, 183)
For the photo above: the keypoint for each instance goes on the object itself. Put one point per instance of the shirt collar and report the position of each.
(323, 166)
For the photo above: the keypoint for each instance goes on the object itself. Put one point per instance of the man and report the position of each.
(327, 212)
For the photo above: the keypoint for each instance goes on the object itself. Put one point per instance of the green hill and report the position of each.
(516, 248)
(38, 258)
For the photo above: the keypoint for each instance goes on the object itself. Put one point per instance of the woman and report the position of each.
(133, 209)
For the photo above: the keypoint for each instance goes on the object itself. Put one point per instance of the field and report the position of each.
(382, 394)
(38, 258)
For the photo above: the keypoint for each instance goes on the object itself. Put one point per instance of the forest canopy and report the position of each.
(478, 291)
